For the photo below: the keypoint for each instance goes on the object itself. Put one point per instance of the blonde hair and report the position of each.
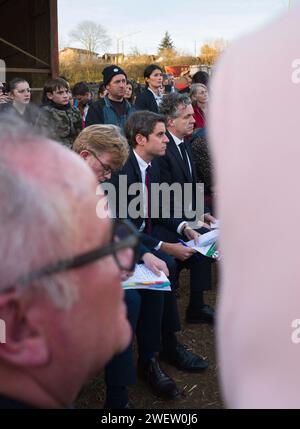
(103, 139)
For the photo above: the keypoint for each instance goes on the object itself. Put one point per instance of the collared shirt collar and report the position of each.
(142, 164)
(143, 167)
(176, 140)
(158, 98)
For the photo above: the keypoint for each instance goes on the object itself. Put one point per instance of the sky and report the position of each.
(191, 23)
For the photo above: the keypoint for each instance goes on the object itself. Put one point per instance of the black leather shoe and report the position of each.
(183, 359)
(205, 314)
(160, 383)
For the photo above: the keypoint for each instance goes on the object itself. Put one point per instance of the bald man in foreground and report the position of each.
(61, 304)
(254, 123)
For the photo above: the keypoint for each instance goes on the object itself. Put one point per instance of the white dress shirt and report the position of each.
(178, 142)
(143, 167)
(158, 98)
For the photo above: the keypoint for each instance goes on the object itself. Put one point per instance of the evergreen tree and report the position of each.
(166, 42)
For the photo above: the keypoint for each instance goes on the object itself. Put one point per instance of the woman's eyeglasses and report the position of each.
(23, 91)
(106, 168)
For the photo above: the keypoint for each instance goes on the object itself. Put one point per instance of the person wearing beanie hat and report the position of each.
(112, 109)
(111, 71)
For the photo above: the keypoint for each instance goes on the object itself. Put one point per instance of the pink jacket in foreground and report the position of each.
(255, 132)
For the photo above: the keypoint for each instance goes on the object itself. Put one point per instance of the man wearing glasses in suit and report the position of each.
(177, 166)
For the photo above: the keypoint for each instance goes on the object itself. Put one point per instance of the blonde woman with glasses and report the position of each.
(104, 149)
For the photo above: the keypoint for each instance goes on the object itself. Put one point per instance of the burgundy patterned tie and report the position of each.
(148, 214)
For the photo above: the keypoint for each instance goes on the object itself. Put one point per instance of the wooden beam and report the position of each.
(54, 38)
(23, 52)
(23, 70)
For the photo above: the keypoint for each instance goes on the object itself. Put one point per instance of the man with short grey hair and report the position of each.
(60, 297)
(177, 166)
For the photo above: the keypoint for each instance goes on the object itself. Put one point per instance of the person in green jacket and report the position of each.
(64, 121)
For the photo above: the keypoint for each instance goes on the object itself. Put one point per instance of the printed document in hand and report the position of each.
(215, 225)
(207, 244)
(143, 278)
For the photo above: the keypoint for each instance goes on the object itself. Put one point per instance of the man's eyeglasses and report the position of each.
(22, 91)
(124, 247)
(106, 168)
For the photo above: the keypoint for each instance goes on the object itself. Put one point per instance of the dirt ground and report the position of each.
(198, 390)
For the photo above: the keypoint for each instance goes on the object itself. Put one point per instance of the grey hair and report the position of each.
(194, 89)
(35, 224)
(171, 102)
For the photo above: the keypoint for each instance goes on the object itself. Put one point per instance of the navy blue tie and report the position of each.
(185, 157)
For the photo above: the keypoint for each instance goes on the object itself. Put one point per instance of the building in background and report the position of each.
(69, 55)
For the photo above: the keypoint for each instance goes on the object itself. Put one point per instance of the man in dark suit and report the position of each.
(146, 133)
(177, 166)
(105, 149)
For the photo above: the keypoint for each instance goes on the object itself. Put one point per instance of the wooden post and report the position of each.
(54, 39)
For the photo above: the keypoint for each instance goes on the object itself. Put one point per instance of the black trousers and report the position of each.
(170, 317)
(144, 312)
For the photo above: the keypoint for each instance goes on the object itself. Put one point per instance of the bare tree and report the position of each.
(90, 35)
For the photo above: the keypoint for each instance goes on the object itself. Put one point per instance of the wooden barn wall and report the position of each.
(31, 25)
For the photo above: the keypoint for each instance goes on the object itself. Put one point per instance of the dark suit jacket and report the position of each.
(133, 173)
(173, 170)
(146, 101)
